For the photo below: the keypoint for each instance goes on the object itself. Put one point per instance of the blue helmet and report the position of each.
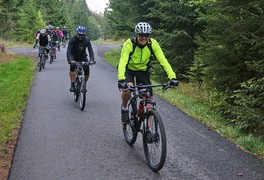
(81, 30)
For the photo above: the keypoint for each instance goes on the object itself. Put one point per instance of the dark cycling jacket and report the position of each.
(77, 49)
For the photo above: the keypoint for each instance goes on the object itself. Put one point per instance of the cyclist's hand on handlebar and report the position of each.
(174, 82)
(92, 61)
(122, 84)
(72, 62)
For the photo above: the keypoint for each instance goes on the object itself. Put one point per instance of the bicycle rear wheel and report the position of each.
(154, 141)
(129, 130)
(82, 95)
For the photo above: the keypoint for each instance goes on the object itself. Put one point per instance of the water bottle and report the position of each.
(140, 108)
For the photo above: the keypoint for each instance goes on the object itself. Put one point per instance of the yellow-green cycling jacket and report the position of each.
(140, 59)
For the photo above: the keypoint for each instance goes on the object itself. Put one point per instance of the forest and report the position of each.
(217, 45)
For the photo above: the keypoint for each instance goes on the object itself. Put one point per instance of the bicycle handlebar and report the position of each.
(85, 63)
(148, 86)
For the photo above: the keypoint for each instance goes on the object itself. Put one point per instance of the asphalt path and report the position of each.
(59, 142)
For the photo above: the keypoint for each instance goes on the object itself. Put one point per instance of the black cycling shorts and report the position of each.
(141, 78)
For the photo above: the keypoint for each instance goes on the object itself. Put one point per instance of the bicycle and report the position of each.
(149, 123)
(42, 57)
(80, 85)
(53, 52)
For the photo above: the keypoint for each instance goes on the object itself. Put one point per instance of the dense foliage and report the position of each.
(20, 19)
(218, 44)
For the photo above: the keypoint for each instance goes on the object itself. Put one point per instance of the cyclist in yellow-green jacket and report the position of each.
(134, 63)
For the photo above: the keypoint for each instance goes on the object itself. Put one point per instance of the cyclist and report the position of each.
(60, 34)
(54, 39)
(136, 65)
(44, 40)
(66, 33)
(76, 52)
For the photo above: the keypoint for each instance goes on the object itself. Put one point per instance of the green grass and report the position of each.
(109, 41)
(11, 44)
(16, 77)
(194, 100)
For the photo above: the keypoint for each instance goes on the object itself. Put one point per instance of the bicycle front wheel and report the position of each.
(77, 90)
(51, 58)
(82, 95)
(154, 140)
(63, 43)
(40, 63)
(43, 61)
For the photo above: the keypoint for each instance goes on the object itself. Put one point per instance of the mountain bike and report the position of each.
(53, 52)
(42, 57)
(144, 118)
(80, 83)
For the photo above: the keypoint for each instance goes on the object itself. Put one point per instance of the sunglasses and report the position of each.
(143, 35)
(81, 35)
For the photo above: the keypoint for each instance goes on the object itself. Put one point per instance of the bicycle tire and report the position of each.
(40, 63)
(63, 43)
(51, 58)
(77, 90)
(82, 100)
(156, 142)
(43, 61)
(130, 130)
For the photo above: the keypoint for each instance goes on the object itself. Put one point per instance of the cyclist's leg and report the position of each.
(72, 75)
(125, 95)
(86, 70)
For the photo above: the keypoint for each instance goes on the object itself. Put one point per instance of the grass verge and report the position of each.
(194, 101)
(16, 74)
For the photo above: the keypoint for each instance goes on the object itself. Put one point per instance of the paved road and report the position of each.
(60, 142)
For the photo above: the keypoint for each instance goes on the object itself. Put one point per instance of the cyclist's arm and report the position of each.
(37, 39)
(69, 54)
(125, 52)
(162, 59)
(90, 49)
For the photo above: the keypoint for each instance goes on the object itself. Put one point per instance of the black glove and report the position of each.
(34, 46)
(122, 84)
(174, 82)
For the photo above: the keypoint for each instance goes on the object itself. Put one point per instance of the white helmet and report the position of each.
(43, 31)
(143, 28)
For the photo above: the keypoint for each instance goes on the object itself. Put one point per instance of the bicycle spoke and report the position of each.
(154, 140)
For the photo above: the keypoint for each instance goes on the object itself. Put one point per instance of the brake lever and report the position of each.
(166, 86)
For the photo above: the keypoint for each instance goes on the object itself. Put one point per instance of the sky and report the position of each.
(97, 5)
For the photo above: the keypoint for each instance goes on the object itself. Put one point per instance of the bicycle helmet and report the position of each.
(81, 30)
(51, 27)
(47, 27)
(43, 31)
(143, 28)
